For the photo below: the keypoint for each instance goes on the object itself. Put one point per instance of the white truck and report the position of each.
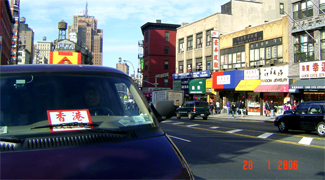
(176, 96)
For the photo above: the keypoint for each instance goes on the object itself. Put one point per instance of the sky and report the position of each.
(121, 20)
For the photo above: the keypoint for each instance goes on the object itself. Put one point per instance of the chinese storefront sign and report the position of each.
(275, 75)
(314, 69)
(69, 116)
(252, 74)
(223, 79)
(247, 38)
(215, 54)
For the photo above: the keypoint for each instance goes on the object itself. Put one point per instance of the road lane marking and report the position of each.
(192, 125)
(179, 123)
(214, 127)
(265, 135)
(234, 131)
(306, 141)
(179, 138)
(167, 121)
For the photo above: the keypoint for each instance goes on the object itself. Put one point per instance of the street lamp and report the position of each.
(132, 67)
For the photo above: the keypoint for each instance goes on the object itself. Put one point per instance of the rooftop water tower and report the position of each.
(62, 26)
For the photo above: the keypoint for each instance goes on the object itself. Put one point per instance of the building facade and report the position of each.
(159, 54)
(42, 51)
(26, 39)
(24, 56)
(307, 51)
(5, 32)
(15, 11)
(88, 35)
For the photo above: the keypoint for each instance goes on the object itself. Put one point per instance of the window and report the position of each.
(199, 40)
(322, 46)
(166, 50)
(146, 51)
(180, 66)
(303, 48)
(181, 46)
(189, 43)
(266, 52)
(321, 6)
(209, 39)
(302, 9)
(209, 63)
(145, 84)
(146, 38)
(166, 81)
(166, 65)
(189, 65)
(281, 8)
(199, 66)
(166, 36)
(232, 57)
(145, 65)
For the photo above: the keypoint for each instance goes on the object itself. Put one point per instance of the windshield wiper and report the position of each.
(66, 124)
(10, 139)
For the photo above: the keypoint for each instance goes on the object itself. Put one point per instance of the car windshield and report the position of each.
(36, 100)
(201, 104)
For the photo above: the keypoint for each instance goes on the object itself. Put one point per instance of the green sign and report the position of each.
(141, 64)
(197, 86)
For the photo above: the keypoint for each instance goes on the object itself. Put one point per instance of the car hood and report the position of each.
(153, 158)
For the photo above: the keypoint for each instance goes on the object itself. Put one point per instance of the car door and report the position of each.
(300, 118)
(313, 117)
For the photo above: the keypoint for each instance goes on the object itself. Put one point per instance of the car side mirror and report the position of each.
(163, 109)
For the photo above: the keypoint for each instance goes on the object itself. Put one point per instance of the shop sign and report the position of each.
(247, 38)
(314, 69)
(197, 86)
(201, 74)
(215, 54)
(182, 76)
(184, 83)
(275, 75)
(177, 84)
(252, 74)
(223, 79)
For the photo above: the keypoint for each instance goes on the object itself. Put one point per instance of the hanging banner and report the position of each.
(215, 53)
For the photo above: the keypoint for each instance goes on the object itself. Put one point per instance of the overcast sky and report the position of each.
(120, 20)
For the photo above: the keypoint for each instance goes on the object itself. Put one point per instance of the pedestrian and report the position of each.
(294, 105)
(217, 107)
(228, 107)
(242, 107)
(267, 107)
(211, 108)
(233, 109)
(238, 105)
(271, 105)
(285, 107)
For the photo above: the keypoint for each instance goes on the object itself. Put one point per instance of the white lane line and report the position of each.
(234, 131)
(179, 123)
(167, 121)
(179, 138)
(192, 125)
(265, 135)
(214, 127)
(306, 141)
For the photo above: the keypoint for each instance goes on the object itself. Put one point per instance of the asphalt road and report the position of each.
(230, 149)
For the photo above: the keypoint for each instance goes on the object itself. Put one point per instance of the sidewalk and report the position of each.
(246, 117)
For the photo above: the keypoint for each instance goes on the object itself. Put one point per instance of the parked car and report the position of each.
(308, 116)
(70, 122)
(191, 109)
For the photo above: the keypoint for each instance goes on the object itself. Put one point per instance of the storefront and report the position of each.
(311, 86)
(274, 87)
(247, 86)
(197, 88)
(225, 82)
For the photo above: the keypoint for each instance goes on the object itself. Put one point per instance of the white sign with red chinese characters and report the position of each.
(214, 34)
(69, 116)
(252, 74)
(314, 69)
(275, 75)
(215, 54)
(223, 79)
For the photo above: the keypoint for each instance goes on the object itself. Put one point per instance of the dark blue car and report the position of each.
(71, 122)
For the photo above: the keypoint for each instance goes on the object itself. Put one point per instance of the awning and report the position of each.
(247, 85)
(308, 84)
(272, 88)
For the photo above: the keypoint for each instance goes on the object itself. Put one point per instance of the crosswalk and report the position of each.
(282, 137)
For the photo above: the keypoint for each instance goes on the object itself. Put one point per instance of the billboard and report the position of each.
(59, 57)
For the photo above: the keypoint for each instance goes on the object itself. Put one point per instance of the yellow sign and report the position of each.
(59, 57)
(247, 85)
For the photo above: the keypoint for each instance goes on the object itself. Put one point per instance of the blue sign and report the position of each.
(201, 74)
(182, 76)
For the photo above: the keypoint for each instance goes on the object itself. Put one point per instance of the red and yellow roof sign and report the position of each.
(59, 57)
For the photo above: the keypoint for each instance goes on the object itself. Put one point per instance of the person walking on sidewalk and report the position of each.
(217, 107)
(238, 105)
(267, 107)
(271, 105)
(242, 107)
(233, 109)
(211, 109)
(228, 107)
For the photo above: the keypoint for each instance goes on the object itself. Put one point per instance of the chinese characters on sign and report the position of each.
(223, 79)
(275, 75)
(247, 38)
(215, 54)
(68, 116)
(314, 69)
(252, 74)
